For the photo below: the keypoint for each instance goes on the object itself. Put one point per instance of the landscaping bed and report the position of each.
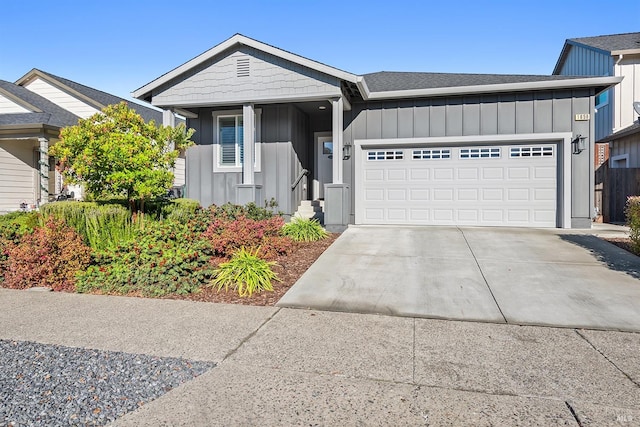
(227, 254)
(624, 243)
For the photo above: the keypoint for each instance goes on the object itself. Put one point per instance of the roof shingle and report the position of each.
(612, 42)
(393, 80)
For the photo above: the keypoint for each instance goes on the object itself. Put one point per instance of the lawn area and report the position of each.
(177, 249)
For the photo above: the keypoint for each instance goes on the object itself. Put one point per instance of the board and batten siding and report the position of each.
(629, 146)
(626, 92)
(582, 61)
(284, 151)
(61, 98)
(522, 113)
(7, 106)
(16, 174)
(225, 79)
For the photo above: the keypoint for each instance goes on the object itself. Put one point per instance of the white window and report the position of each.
(228, 139)
(536, 151)
(385, 155)
(432, 154)
(480, 153)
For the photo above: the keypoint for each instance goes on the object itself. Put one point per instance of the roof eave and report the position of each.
(239, 39)
(60, 85)
(603, 82)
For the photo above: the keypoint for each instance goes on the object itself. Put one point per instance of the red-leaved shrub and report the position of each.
(50, 256)
(226, 236)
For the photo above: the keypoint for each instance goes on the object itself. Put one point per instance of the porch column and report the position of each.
(168, 118)
(336, 195)
(338, 124)
(248, 141)
(248, 191)
(43, 170)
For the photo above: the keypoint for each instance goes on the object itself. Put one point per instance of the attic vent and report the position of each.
(242, 67)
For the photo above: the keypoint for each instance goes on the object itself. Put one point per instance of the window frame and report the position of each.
(603, 94)
(217, 149)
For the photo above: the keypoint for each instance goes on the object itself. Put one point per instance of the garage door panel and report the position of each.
(471, 186)
(419, 174)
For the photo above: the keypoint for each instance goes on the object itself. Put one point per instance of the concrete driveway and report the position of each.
(563, 278)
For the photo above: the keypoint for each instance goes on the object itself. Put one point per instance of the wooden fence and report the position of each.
(613, 186)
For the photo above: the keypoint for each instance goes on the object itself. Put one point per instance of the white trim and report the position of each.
(239, 39)
(562, 138)
(275, 99)
(216, 149)
(492, 88)
(317, 138)
(248, 146)
(619, 158)
(337, 129)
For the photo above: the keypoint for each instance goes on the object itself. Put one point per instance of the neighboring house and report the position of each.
(32, 112)
(387, 147)
(609, 55)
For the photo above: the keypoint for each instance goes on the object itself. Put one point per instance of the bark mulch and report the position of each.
(289, 268)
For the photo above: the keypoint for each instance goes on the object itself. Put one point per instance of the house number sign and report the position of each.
(583, 117)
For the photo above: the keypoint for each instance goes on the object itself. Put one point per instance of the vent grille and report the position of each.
(242, 69)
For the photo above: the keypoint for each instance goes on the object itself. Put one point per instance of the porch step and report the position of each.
(311, 209)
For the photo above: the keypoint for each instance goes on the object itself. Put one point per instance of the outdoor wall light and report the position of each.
(346, 152)
(579, 144)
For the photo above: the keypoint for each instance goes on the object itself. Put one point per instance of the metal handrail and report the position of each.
(302, 174)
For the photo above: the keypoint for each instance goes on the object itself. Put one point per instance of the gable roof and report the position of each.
(43, 111)
(612, 44)
(94, 97)
(393, 85)
(238, 39)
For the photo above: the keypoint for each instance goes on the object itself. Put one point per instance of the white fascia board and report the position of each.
(497, 88)
(362, 86)
(240, 39)
(625, 52)
(276, 99)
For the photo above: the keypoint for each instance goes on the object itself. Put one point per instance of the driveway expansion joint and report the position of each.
(483, 276)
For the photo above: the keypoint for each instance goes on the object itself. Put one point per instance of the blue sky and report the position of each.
(118, 46)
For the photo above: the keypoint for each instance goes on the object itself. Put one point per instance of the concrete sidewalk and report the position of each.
(303, 367)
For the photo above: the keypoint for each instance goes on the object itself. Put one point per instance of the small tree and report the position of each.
(115, 153)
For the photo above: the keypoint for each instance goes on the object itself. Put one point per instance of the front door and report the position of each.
(324, 168)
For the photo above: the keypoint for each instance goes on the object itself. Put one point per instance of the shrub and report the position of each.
(181, 209)
(226, 236)
(246, 273)
(231, 211)
(108, 226)
(50, 256)
(304, 230)
(632, 212)
(15, 224)
(163, 258)
(100, 225)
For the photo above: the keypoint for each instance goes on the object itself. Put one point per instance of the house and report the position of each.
(609, 55)
(385, 147)
(32, 112)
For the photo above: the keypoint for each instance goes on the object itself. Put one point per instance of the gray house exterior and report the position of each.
(607, 55)
(388, 147)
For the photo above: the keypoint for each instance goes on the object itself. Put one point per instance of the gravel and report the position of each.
(50, 385)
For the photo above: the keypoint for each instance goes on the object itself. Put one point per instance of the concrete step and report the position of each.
(311, 209)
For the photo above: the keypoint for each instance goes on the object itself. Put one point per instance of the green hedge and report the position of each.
(632, 212)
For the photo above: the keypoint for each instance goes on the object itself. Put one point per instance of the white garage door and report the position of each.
(498, 185)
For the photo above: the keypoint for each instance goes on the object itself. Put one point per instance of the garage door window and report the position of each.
(385, 155)
(431, 154)
(537, 151)
(480, 153)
